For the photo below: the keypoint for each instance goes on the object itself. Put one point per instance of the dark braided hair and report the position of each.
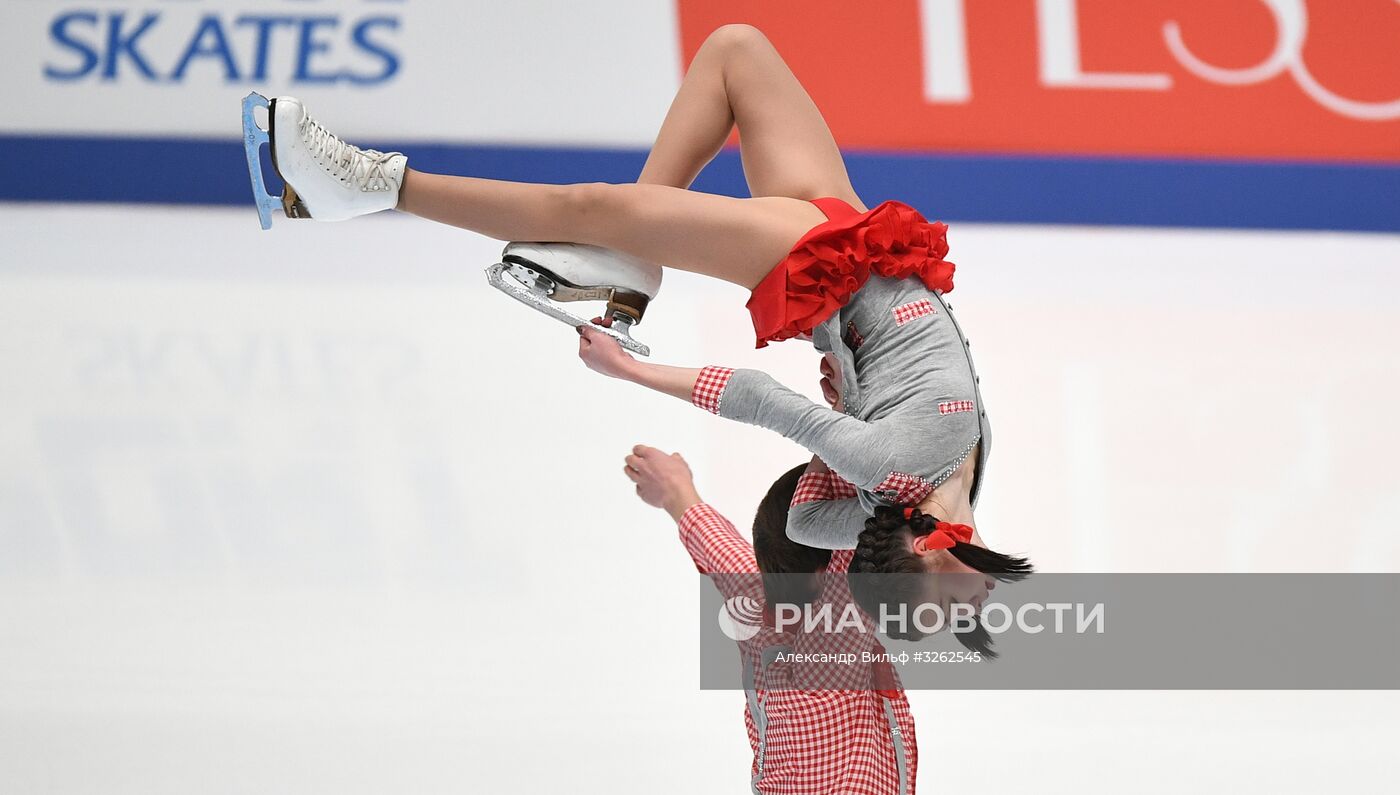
(886, 547)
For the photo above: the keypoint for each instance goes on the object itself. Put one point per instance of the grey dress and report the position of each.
(913, 407)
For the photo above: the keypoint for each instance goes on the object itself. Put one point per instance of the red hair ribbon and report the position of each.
(908, 514)
(946, 534)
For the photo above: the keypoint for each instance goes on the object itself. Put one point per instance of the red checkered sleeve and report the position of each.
(819, 486)
(904, 489)
(841, 489)
(812, 487)
(720, 552)
(709, 387)
(714, 544)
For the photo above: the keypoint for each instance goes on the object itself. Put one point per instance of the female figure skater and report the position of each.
(865, 286)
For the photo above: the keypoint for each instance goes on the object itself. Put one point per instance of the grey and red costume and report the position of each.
(868, 288)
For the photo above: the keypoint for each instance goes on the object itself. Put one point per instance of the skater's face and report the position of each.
(953, 582)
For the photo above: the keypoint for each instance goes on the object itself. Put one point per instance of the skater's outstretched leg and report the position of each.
(737, 77)
(737, 240)
(788, 153)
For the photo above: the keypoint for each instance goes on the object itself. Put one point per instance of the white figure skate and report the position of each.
(540, 274)
(324, 177)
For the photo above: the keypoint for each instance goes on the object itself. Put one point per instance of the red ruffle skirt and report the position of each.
(834, 260)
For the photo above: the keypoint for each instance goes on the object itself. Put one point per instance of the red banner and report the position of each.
(1259, 79)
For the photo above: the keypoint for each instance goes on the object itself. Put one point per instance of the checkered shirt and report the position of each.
(822, 738)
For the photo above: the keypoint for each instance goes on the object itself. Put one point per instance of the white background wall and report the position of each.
(315, 510)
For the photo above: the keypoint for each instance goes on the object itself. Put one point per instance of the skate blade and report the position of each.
(253, 139)
(620, 300)
(496, 277)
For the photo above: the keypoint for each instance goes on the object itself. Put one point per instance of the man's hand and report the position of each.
(662, 480)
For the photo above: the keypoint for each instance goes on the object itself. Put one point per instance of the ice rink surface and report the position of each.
(315, 510)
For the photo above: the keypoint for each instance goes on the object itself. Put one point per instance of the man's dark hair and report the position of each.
(885, 547)
(782, 560)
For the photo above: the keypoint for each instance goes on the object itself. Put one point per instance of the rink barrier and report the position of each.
(952, 187)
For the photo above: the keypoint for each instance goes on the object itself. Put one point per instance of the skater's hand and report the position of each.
(602, 353)
(663, 481)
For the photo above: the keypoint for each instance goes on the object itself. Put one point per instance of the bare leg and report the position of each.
(789, 157)
(737, 77)
(737, 240)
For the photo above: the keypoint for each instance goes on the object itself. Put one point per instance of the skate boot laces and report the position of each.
(366, 168)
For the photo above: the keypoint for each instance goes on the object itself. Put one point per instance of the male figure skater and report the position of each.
(828, 730)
